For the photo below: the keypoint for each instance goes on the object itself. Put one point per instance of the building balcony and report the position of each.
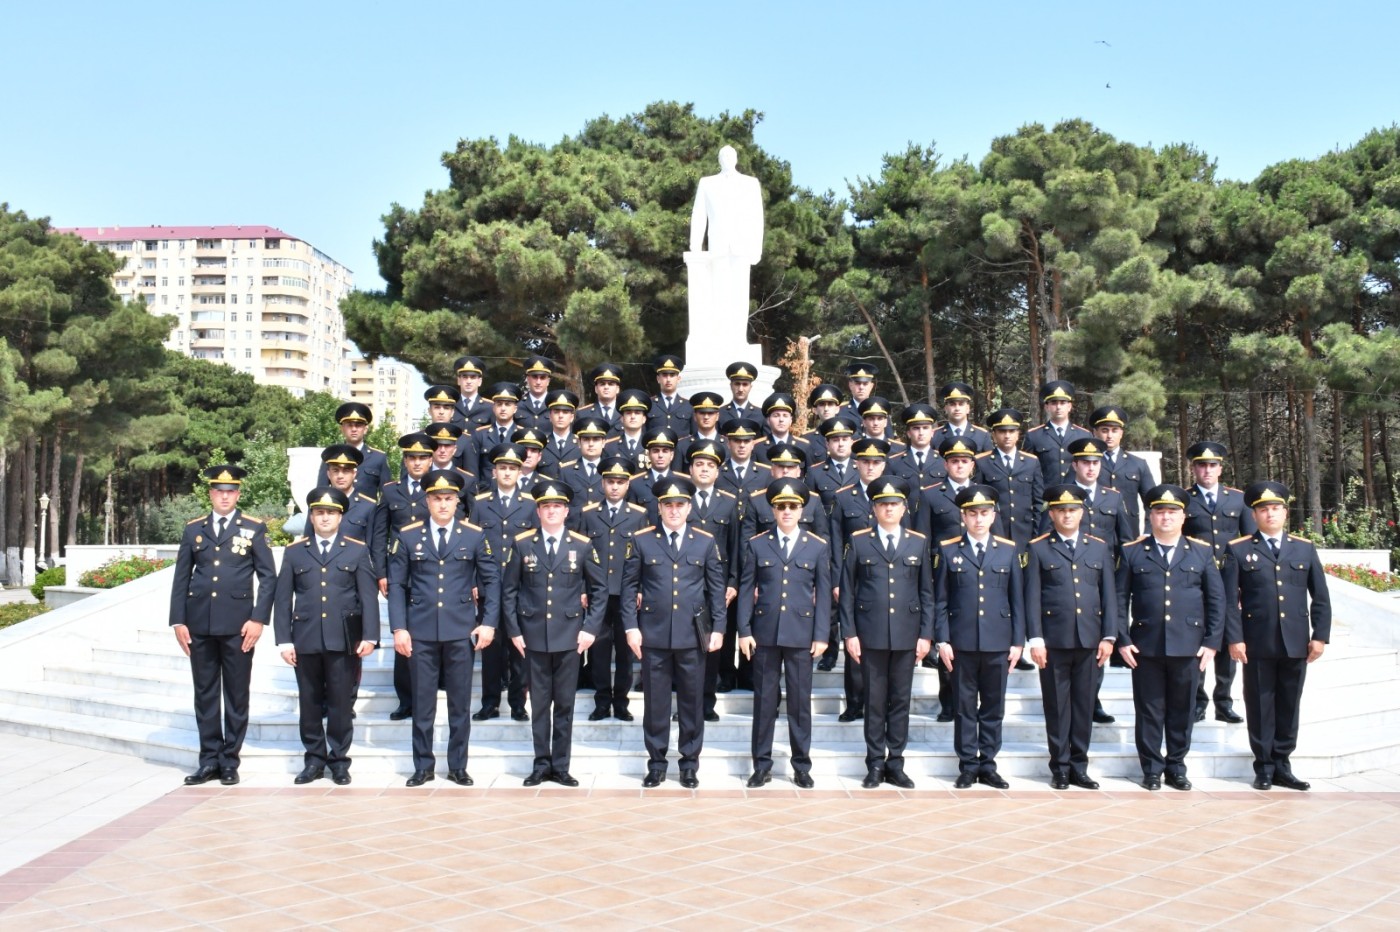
(211, 251)
(301, 328)
(207, 342)
(199, 288)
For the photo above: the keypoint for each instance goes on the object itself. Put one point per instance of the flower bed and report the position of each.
(121, 570)
(1374, 580)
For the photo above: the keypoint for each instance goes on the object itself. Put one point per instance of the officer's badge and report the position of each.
(394, 547)
(957, 561)
(239, 545)
(573, 561)
(245, 532)
(199, 538)
(529, 561)
(1024, 559)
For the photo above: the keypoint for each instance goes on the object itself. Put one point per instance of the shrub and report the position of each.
(121, 570)
(1365, 576)
(276, 537)
(15, 612)
(54, 576)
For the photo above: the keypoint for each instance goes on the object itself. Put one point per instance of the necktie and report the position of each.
(612, 515)
(675, 541)
(919, 460)
(666, 402)
(1273, 546)
(607, 414)
(977, 550)
(1210, 503)
(1166, 552)
(1060, 434)
(1069, 542)
(505, 502)
(783, 543)
(559, 445)
(704, 503)
(1006, 461)
(739, 473)
(889, 544)
(413, 487)
(631, 446)
(223, 524)
(549, 547)
(588, 468)
(442, 540)
(840, 471)
(325, 547)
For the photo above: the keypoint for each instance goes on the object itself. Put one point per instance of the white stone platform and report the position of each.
(107, 674)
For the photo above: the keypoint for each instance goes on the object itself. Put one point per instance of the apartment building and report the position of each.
(392, 390)
(252, 297)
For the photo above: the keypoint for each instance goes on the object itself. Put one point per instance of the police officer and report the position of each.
(444, 600)
(1275, 591)
(956, 398)
(561, 447)
(1104, 513)
(1216, 514)
(533, 410)
(705, 417)
(1048, 442)
(354, 419)
(779, 409)
(607, 383)
(741, 376)
(673, 612)
(660, 447)
(784, 618)
(503, 512)
(824, 402)
(326, 617)
(610, 524)
(938, 514)
(442, 403)
(217, 617)
(447, 450)
(980, 625)
(1071, 623)
(501, 428)
(1015, 475)
(837, 470)
(919, 462)
(364, 519)
(472, 410)
(553, 595)
(633, 406)
(785, 461)
(860, 384)
(886, 610)
(583, 476)
(403, 502)
(1177, 618)
(743, 473)
(716, 511)
(1124, 471)
(875, 421)
(668, 409)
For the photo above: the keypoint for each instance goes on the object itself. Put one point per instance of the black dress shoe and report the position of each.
(536, 777)
(622, 715)
(803, 781)
(460, 777)
(1229, 716)
(1059, 781)
(928, 663)
(1178, 781)
(653, 778)
(481, 715)
(873, 778)
(993, 779)
(308, 774)
(1083, 780)
(945, 715)
(965, 780)
(420, 777)
(1024, 664)
(1286, 779)
(758, 778)
(597, 715)
(899, 778)
(724, 686)
(1200, 715)
(228, 776)
(401, 713)
(1152, 781)
(689, 780)
(851, 715)
(519, 715)
(826, 666)
(712, 716)
(564, 778)
(1101, 716)
(1262, 782)
(340, 777)
(202, 775)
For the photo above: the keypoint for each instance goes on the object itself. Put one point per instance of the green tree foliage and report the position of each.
(574, 249)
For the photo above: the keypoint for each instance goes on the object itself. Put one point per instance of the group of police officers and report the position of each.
(718, 547)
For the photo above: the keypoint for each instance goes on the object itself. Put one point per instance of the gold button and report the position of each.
(1280, 598)
(216, 579)
(323, 569)
(440, 590)
(323, 584)
(439, 605)
(216, 562)
(1166, 618)
(323, 598)
(1076, 580)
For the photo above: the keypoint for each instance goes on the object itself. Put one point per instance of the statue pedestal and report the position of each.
(717, 289)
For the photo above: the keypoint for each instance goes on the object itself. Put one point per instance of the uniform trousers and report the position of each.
(1224, 679)
(326, 681)
(979, 688)
(853, 679)
(219, 666)
(889, 684)
(1273, 693)
(610, 660)
(450, 662)
(403, 681)
(1164, 705)
(1069, 684)
(502, 668)
(795, 666)
(662, 669)
(552, 677)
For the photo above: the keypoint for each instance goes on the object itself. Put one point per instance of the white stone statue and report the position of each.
(728, 213)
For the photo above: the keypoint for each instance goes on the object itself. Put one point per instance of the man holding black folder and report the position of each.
(673, 612)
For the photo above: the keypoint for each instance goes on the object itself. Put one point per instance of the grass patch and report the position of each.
(15, 612)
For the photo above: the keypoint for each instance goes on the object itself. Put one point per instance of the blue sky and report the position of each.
(316, 117)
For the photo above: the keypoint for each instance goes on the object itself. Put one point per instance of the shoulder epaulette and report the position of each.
(862, 531)
(951, 540)
(918, 534)
(982, 454)
(643, 530)
(592, 506)
(975, 427)
(524, 495)
(818, 538)
(565, 464)
(703, 532)
(391, 482)
(758, 465)
(1036, 540)
(251, 520)
(1099, 539)
(373, 449)
(1301, 539)
(355, 540)
(727, 493)
(1138, 541)
(1004, 540)
(1240, 540)
(1028, 453)
(298, 540)
(849, 485)
(525, 535)
(633, 506)
(1080, 426)
(757, 493)
(483, 496)
(411, 526)
(195, 520)
(1036, 428)
(581, 538)
(467, 524)
(1231, 488)
(366, 497)
(758, 535)
(1197, 540)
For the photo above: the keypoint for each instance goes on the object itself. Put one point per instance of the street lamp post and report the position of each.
(43, 555)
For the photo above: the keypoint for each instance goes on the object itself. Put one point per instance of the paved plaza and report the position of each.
(94, 840)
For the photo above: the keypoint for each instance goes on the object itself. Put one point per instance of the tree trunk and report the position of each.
(1368, 469)
(889, 360)
(1390, 502)
(55, 494)
(1033, 322)
(1256, 412)
(14, 482)
(30, 503)
(1338, 460)
(929, 379)
(1182, 442)
(75, 499)
(1052, 366)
